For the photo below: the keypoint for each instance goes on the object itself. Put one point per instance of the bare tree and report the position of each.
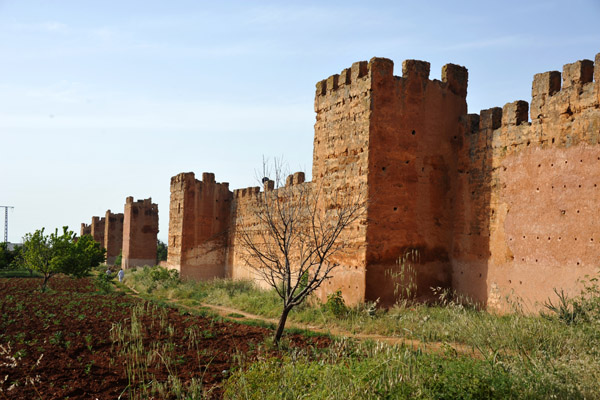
(292, 234)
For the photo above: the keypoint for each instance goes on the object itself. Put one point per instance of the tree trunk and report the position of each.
(46, 277)
(282, 319)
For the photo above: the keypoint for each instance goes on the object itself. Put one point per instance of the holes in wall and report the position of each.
(509, 281)
(413, 132)
(179, 208)
(552, 140)
(383, 168)
(395, 208)
(480, 275)
(528, 142)
(407, 161)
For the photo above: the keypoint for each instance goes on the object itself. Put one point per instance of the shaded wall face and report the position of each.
(542, 194)
(97, 229)
(113, 236)
(199, 219)
(471, 238)
(412, 183)
(140, 229)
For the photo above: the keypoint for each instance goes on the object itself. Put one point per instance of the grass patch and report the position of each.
(375, 371)
(20, 273)
(541, 356)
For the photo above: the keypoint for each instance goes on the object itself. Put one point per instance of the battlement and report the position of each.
(86, 229)
(580, 84)
(380, 70)
(251, 191)
(295, 179)
(556, 98)
(146, 203)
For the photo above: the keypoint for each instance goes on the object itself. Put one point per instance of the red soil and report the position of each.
(57, 345)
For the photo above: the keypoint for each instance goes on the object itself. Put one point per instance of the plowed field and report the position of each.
(71, 342)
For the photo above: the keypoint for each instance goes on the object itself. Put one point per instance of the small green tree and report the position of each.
(9, 259)
(161, 251)
(56, 253)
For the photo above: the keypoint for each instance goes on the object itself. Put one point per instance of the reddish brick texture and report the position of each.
(140, 229)
(498, 205)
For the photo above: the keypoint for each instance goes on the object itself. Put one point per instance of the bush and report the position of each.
(335, 304)
(103, 283)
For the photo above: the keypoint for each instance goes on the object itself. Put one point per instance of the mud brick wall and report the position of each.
(85, 229)
(140, 227)
(412, 178)
(489, 204)
(198, 222)
(530, 221)
(113, 236)
(97, 229)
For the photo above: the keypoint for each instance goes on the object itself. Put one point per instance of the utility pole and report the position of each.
(6, 222)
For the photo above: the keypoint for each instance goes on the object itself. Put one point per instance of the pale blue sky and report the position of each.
(100, 100)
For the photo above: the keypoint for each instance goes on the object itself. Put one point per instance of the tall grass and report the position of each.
(555, 355)
(142, 356)
(373, 371)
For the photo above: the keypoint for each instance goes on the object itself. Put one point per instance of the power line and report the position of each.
(6, 222)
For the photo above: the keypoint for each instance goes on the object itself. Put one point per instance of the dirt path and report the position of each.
(434, 347)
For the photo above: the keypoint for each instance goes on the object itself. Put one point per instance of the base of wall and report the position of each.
(137, 262)
(111, 260)
(201, 272)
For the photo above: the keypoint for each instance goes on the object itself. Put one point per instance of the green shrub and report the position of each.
(335, 304)
(103, 283)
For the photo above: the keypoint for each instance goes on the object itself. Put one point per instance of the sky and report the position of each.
(100, 100)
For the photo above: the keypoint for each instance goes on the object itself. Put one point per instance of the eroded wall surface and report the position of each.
(489, 204)
(140, 227)
(97, 229)
(412, 179)
(85, 229)
(530, 189)
(198, 222)
(113, 236)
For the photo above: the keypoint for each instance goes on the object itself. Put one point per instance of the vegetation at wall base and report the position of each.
(511, 356)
